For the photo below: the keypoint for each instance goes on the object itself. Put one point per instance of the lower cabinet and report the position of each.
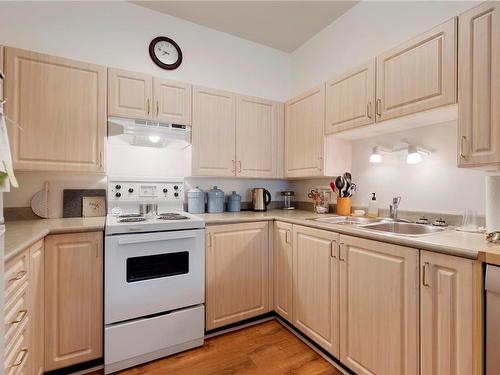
(237, 273)
(450, 315)
(379, 303)
(73, 299)
(283, 276)
(36, 305)
(315, 286)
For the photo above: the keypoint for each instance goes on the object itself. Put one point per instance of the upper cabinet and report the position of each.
(418, 75)
(58, 112)
(308, 153)
(257, 136)
(479, 86)
(235, 135)
(304, 134)
(141, 96)
(350, 99)
(214, 133)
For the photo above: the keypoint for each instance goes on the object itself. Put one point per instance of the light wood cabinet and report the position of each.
(142, 96)
(257, 137)
(479, 86)
(73, 299)
(316, 286)
(304, 134)
(172, 101)
(283, 269)
(350, 99)
(379, 302)
(237, 273)
(58, 110)
(214, 133)
(450, 317)
(36, 306)
(418, 75)
(130, 94)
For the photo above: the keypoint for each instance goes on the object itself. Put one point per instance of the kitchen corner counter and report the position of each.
(21, 234)
(468, 245)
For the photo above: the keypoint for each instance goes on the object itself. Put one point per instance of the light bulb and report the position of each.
(375, 157)
(414, 156)
(154, 138)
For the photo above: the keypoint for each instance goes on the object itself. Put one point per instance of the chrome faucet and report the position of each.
(393, 208)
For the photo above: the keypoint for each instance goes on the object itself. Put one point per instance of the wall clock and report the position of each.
(165, 53)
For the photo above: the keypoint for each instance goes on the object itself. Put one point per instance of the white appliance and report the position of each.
(154, 273)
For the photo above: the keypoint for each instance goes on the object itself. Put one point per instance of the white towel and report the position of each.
(6, 169)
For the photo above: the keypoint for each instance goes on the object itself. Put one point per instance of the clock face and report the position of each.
(165, 53)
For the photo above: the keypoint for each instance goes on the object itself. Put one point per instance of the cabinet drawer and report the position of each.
(16, 314)
(16, 357)
(16, 274)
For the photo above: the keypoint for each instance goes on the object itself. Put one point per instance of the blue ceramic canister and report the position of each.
(215, 201)
(234, 202)
(196, 201)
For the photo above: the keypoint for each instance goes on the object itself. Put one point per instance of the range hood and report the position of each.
(150, 133)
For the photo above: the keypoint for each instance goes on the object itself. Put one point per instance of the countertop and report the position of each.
(468, 245)
(21, 234)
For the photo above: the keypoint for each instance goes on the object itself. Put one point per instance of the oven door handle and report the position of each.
(177, 236)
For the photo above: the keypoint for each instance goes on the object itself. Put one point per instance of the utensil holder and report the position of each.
(344, 206)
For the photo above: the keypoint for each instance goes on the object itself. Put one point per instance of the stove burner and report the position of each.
(129, 215)
(172, 216)
(133, 219)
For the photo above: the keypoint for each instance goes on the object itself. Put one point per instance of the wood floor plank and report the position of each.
(265, 349)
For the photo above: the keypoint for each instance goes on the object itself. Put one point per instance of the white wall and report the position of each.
(365, 30)
(117, 33)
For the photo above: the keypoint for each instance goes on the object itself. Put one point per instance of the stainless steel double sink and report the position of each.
(382, 225)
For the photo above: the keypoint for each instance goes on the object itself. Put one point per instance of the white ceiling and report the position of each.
(284, 25)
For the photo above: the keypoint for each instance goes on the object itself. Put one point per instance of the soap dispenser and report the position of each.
(373, 206)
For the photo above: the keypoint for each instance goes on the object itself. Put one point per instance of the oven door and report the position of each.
(151, 273)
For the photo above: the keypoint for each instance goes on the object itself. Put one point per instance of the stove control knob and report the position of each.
(165, 190)
(130, 190)
(176, 187)
(118, 187)
(118, 195)
(176, 194)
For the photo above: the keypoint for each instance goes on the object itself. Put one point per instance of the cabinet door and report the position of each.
(237, 273)
(256, 137)
(73, 299)
(283, 267)
(214, 132)
(447, 314)
(36, 305)
(304, 134)
(130, 94)
(59, 107)
(418, 75)
(379, 302)
(479, 86)
(172, 101)
(350, 99)
(316, 286)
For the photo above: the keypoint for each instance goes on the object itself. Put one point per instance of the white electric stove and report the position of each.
(154, 273)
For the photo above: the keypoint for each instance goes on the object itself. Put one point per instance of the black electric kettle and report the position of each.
(260, 199)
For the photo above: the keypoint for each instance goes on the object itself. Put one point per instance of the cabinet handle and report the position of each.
(209, 240)
(320, 162)
(341, 251)
(157, 108)
(234, 165)
(369, 110)
(288, 237)
(462, 154)
(239, 163)
(23, 353)
(424, 274)
(378, 107)
(333, 249)
(18, 276)
(101, 157)
(20, 316)
(148, 105)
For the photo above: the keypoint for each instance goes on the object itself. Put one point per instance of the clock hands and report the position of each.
(164, 52)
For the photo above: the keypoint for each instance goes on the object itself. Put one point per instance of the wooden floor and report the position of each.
(267, 348)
